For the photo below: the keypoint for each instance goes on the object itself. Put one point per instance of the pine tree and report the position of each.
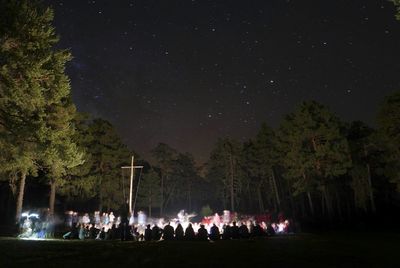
(260, 158)
(149, 194)
(78, 183)
(389, 136)
(100, 176)
(165, 157)
(360, 139)
(314, 151)
(224, 170)
(35, 102)
(397, 5)
(186, 178)
(108, 154)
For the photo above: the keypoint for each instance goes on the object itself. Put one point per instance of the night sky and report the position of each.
(188, 72)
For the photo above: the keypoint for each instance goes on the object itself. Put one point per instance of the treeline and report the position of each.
(313, 166)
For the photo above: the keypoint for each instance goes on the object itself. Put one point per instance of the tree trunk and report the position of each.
(349, 210)
(162, 196)
(232, 184)
(260, 200)
(150, 211)
(150, 204)
(300, 201)
(328, 202)
(189, 197)
(20, 198)
(250, 198)
(310, 203)
(169, 196)
(52, 197)
(100, 201)
(371, 192)
(338, 204)
(273, 200)
(292, 205)
(278, 201)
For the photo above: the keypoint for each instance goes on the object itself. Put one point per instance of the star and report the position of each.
(186, 67)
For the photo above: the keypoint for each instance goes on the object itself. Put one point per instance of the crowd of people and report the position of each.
(36, 225)
(107, 226)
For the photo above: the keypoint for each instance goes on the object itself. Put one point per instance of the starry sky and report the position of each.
(185, 72)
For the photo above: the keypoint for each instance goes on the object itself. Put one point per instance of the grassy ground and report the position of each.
(304, 250)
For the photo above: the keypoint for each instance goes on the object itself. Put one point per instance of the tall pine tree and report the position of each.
(389, 134)
(35, 103)
(314, 151)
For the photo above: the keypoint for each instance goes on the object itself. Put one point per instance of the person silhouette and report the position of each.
(189, 233)
(234, 231)
(243, 231)
(168, 232)
(179, 234)
(214, 233)
(156, 233)
(148, 233)
(202, 234)
(226, 235)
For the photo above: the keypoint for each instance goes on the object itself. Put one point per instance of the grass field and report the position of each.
(303, 250)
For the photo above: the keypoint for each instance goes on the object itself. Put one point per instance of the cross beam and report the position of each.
(132, 168)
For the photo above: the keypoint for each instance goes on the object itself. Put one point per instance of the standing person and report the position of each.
(97, 219)
(217, 219)
(111, 217)
(124, 222)
(81, 231)
(106, 219)
(132, 219)
(142, 218)
(226, 218)
(148, 233)
(75, 218)
(68, 220)
(86, 219)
